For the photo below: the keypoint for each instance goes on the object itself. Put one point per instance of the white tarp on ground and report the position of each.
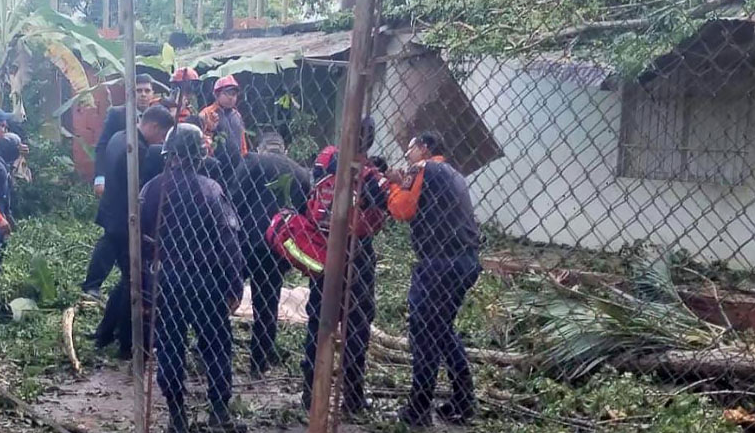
(292, 308)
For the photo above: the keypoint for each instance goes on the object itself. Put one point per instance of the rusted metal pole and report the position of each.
(359, 60)
(134, 229)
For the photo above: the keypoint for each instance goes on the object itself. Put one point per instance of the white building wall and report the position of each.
(556, 183)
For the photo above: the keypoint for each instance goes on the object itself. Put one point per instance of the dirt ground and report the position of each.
(101, 400)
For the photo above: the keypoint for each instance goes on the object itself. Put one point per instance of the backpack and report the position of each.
(303, 239)
(320, 203)
(296, 238)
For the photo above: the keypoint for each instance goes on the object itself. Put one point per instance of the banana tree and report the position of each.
(68, 44)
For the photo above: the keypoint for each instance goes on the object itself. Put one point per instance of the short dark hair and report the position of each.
(159, 115)
(380, 163)
(433, 141)
(144, 79)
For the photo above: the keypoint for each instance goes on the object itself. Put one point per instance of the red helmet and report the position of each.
(225, 82)
(184, 74)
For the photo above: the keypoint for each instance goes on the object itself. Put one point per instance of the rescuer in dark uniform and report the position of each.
(373, 196)
(259, 176)
(199, 277)
(434, 198)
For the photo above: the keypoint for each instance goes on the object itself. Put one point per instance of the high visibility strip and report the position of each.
(301, 256)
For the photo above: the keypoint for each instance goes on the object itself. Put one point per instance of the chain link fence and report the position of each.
(571, 243)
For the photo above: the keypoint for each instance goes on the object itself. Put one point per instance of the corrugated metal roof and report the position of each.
(314, 44)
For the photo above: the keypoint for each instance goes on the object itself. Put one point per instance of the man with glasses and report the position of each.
(434, 198)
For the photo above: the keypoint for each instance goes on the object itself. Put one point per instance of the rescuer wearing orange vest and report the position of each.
(434, 198)
(188, 79)
(223, 122)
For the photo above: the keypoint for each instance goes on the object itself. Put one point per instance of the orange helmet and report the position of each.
(225, 82)
(184, 74)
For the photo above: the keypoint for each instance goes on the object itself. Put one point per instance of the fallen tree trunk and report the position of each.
(68, 317)
(380, 353)
(480, 356)
(506, 265)
(705, 363)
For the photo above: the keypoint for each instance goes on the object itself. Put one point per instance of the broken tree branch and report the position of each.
(627, 24)
(710, 363)
(24, 407)
(68, 317)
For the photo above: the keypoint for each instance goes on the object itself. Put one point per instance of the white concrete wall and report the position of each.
(556, 181)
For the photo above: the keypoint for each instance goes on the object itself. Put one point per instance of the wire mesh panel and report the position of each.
(611, 212)
(567, 237)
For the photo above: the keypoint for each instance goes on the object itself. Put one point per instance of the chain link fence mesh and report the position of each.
(611, 252)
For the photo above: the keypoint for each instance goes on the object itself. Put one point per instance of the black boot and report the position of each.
(418, 412)
(258, 368)
(221, 422)
(306, 401)
(460, 408)
(354, 401)
(413, 418)
(179, 422)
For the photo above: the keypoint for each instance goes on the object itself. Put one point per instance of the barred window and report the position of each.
(679, 129)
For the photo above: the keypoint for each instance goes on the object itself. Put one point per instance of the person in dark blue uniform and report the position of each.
(11, 147)
(258, 196)
(199, 282)
(104, 255)
(362, 302)
(434, 198)
(112, 215)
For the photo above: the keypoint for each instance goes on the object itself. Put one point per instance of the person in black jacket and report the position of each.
(199, 278)
(104, 255)
(259, 177)
(112, 215)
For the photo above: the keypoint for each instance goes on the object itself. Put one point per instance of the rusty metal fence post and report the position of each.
(359, 60)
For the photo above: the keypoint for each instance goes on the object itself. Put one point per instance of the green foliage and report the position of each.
(337, 21)
(611, 396)
(637, 31)
(42, 279)
(577, 329)
(46, 260)
(303, 146)
(35, 346)
(56, 188)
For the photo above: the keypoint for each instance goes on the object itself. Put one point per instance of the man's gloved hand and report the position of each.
(394, 176)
